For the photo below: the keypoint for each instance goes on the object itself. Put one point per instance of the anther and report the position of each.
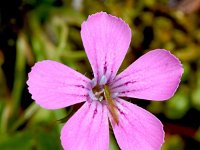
(103, 80)
(93, 83)
(100, 98)
(99, 93)
(92, 96)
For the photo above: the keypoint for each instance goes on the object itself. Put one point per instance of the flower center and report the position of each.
(98, 92)
(101, 92)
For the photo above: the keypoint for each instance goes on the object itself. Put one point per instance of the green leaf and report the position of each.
(113, 144)
(47, 137)
(18, 141)
(178, 105)
(173, 142)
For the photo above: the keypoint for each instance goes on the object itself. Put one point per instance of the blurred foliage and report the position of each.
(50, 29)
(173, 143)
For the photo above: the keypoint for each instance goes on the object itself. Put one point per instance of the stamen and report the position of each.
(103, 80)
(100, 98)
(93, 83)
(92, 96)
(99, 93)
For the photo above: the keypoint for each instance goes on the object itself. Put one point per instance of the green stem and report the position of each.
(5, 100)
(19, 75)
(62, 38)
(27, 114)
(5, 114)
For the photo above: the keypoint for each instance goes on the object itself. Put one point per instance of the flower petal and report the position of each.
(54, 85)
(137, 128)
(154, 76)
(87, 129)
(106, 40)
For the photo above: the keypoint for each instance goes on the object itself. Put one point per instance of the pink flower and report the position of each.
(154, 76)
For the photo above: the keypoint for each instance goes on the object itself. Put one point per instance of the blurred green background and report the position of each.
(34, 30)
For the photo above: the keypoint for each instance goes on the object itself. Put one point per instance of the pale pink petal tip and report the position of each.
(54, 85)
(106, 40)
(87, 129)
(137, 128)
(154, 76)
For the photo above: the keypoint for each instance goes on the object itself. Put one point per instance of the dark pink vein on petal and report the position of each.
(124, 84)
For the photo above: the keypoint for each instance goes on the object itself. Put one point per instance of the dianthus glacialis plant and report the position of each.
(154, 76)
